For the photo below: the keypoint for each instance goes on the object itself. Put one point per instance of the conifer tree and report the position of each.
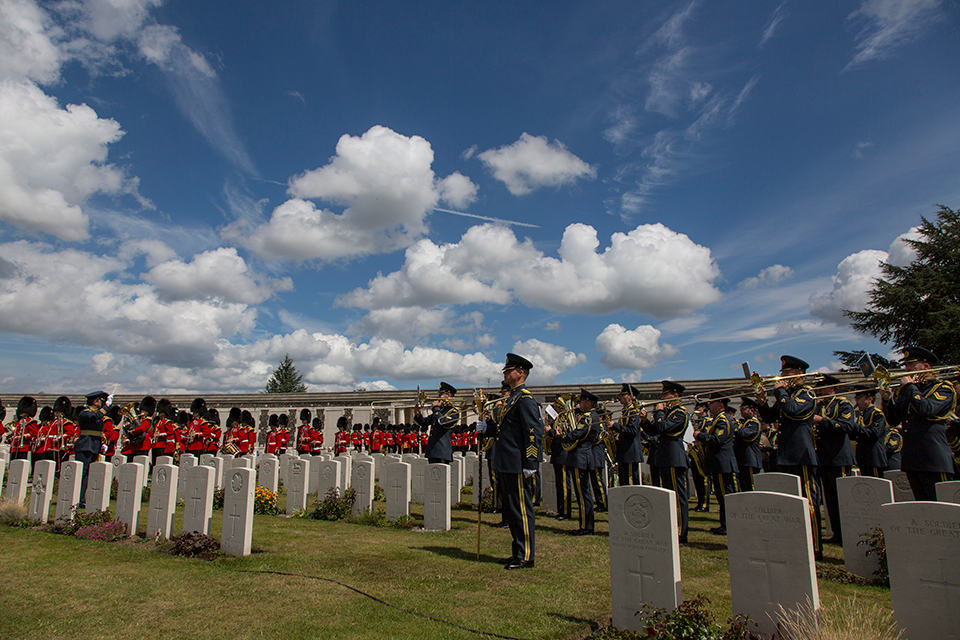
(918, 304)
(286, 378)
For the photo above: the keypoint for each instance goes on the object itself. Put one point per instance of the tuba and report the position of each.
(566, 420)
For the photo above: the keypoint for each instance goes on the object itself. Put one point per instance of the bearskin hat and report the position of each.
(283, 420)
(198, 406)
(27, 407)
(62, 405)
(46, 414)
(213, 416)
(273, 421)
(234, 416)
(3, 412)
(183, 418)
(342, 422)
(166, 408)
(316, 422)
(114, 413)
(246, 418)
(148, 405)
(305, 415)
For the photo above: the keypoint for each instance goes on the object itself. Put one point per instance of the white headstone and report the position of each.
(644, 552)
(362, 481)
(436, 490)
(210, 460)
(298, 475)
(470, 471)
(237, 534)
(198, 499)
(548, 480)
(243, 462)
(3, 468)
(99, 482)
(346, 471)
(417, 470)
(68, 493)
(165, 460)
(42, 494)
(770, 554)
(860, 498)
(285, 465)
(901, 485)
(456, 473)
(17, 481)
(163, 501)
(949, 491)
(645, 477)
(129, 490)
(923, 557)
(268, 474)
(396, 480)
(776, 482)
(328, 477)
(313, 463)
(377, 465)
(187, 461)
(144, 461)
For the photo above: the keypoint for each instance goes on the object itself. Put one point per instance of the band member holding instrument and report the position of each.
(519, 443)
(195, 436)
(579, 443)
(3, 416)
(871, 427)
(921, 406)
(721, 464)
(746, 444)
(163, 428)
(668, 424)
(794, 407)
(696, 459)
(65, 428)
(24, 429)
(46, 444)
(834, 423)
(441, 421)
(111, 432)
(629, 448)
(212, 439)
(234, 433)
(316, 446)
(305, 433)
(87, 446)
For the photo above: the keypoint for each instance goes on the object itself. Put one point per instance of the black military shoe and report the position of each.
(520, 564)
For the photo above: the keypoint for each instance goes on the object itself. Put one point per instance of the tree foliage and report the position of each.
(286, 378)
(918, 304)
(850, 360)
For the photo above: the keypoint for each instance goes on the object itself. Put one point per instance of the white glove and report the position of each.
(529, 473)
(109, 400)
(103, 449)
(481, 426)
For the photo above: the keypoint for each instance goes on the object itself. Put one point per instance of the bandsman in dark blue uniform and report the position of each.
(746, 444)
(580, 442)
(668, 424)
(696, 459)
(794, 407)
(833, 425)
(871, 452)
(441, 421)
(87, 447)
(922, 405)
(721, 464)
(629, 448)
(519, 447)
(562, 472)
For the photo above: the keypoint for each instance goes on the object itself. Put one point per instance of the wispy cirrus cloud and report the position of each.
(889, 24)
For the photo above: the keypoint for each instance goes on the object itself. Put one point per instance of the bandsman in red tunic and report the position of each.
(111, 433)
(44, 445)
(283, 434)
(273, 434)
(250, 426)
(305, 433)
(195, 438)
(214, 432)
(316, 447)
(64, 427)
(24, 429)
(163, 428)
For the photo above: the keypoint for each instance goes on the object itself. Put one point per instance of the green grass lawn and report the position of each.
(413, 584)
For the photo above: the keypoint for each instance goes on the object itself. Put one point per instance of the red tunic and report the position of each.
(24, 431)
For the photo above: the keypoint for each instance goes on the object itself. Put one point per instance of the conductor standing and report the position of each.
(519, 443)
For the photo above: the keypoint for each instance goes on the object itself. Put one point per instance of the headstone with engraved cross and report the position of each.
(298, 478)
(436, 494)
(99, 481)
(268, 474)
(644, 552)
(236, 536)
(923, 557)
(396, 479)
(198, 499)
(17, 477)
(163, 501)
(129, 489)
(328, 477)
(948, 491)
(860, 498)
(68, 493)
(417, 470)
(770, 553)
(145, 462)
(42, 494)
(187, 461)
(363, 481)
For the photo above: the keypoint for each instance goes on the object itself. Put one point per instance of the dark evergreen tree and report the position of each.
(850, 360)
(285, 378)
(918, 304)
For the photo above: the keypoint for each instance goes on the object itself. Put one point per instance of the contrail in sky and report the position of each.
(488, 218)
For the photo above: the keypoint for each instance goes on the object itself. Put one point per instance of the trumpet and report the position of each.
(884, 378)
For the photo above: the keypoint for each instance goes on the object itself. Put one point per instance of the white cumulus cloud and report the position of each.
(637, 349)
(27, 50)
(768, 277)
(851, 286)
(532, 162)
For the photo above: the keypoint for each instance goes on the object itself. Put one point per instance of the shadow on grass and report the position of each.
(593, 624)
(458, 554)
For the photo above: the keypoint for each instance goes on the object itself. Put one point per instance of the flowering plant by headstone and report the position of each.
(265, 502)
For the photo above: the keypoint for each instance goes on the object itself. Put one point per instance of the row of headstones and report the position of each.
(771, 555)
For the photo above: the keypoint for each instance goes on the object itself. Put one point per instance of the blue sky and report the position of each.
(396, 194)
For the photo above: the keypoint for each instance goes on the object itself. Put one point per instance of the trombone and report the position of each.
(756, 385)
